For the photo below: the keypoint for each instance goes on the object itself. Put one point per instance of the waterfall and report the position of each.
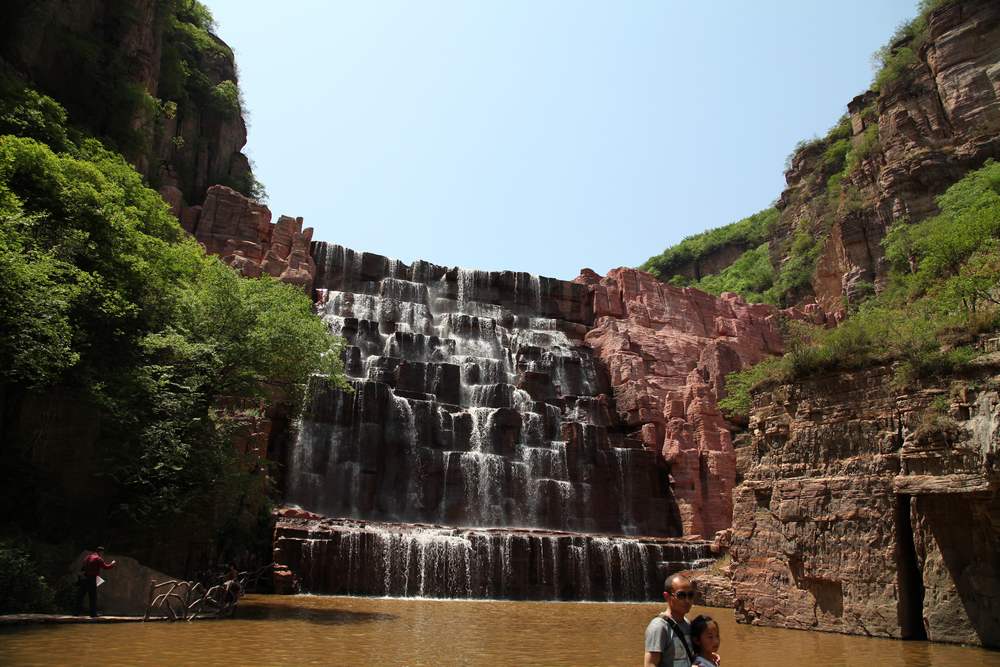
(475, 406)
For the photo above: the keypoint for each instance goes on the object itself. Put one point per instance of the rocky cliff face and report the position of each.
(143, 75)
(871, 511)
(668, 350)
(918, 134)
(240, 231)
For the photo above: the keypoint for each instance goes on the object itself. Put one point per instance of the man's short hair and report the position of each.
(670, 582)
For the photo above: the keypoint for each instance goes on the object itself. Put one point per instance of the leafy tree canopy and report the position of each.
(101, 291)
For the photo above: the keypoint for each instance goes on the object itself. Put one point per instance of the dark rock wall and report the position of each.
(475, 403)
(54, 433)
(99, 58)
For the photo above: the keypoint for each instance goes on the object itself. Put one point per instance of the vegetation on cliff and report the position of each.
(102, 293)
(896, 58)
(827, 188)
(943, 290)
(746, 233)
(149, 80)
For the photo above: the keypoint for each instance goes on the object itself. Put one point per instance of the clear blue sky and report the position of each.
(539, 135)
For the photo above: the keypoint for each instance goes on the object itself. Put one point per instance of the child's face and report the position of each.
(709, 639)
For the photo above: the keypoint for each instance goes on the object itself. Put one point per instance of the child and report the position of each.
(705, 638)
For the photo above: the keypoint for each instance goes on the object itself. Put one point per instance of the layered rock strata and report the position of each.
(870, 512)
(668, 350)
(922, 131)
(240, 231)
(474, 403)
(363, 558)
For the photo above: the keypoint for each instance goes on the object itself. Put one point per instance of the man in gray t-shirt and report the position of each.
(665, 647)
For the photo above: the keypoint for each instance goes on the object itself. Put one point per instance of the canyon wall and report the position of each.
(668, 350)
(143, 75)
(917, 135)
(873, 511)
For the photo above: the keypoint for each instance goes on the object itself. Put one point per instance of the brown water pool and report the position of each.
(308, 630)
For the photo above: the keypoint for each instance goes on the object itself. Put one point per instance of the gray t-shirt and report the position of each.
(661, 638)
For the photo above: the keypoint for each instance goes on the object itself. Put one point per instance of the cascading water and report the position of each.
(475, 405)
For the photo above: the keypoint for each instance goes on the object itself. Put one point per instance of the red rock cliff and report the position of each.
(668, 350)
(241, 232)
(917, 135)
(871, 511)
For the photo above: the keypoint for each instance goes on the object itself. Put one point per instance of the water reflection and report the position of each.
(307, 630)
(309, 609)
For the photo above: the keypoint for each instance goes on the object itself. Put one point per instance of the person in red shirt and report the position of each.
(92, 566)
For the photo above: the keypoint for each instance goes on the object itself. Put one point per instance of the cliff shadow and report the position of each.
(958, 543)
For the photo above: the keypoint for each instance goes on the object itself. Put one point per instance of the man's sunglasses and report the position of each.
(684, 595)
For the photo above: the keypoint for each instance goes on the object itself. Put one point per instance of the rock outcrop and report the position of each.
(867, 511)
(140, 79)
(668, 350)
(920, 133)
(711, 262)
(241, 232)
(125, 591)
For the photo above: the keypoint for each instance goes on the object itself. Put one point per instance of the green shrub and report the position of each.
(22, 588)
(794, 277)
(895, 65)
(940, 246)
(195, 13)
(943, 290)
(749, 232)
(38, 289)
(741, 384)
(833, 156)
(27, 113)
(897, 57)
(867, 144)
(750, 276)
(226, 99)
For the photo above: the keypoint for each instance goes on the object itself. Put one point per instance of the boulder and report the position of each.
(125, 591)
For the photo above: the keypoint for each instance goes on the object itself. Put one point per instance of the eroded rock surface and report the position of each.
(935, 122)
(668, 350)
(867, 511)
(241, 232)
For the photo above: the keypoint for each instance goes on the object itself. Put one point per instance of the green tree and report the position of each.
(102, 292)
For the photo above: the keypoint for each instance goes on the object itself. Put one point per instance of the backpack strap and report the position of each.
(680, 634)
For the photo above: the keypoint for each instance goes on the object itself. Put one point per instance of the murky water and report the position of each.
(308, 630)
